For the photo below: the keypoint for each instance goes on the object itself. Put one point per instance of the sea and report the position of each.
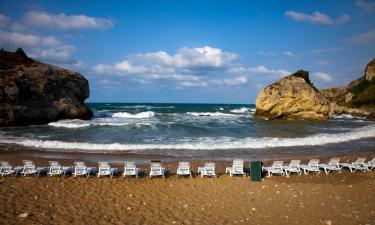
(219, 131)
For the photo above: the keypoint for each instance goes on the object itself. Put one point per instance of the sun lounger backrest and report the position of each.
(209, 165)
(373, 160)
(184, 165)
(155, 166)
(28, 163)
(334, 161)
(294, 163)
(277, 164)
(104, 165)
(238, 163)
(54, 164)
(79, 165)
(360, 161)
(313, 162)
(4, 164)
(129, 165)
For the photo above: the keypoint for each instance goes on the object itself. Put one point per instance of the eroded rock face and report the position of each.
(35, 93)
(293, 97)
(370, 70)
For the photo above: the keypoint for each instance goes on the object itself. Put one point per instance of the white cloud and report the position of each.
(108, 84)
(343, 19)
(102, 68)
(266, 53)
(126, 67)
(292, 54)
(191, 57)
(15, 39)
(322, 50)
(65, 22)
(367, 6)
(192, 84)
(323, 76)
(61, 54)
(363, 38)
(189, 67)
(235, 81)
(289, 53)
(190, 60)
(19, 27)
(3, 20)
(317, 17)
(261, 69)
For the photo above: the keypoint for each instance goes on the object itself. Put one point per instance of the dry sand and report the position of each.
(337, 198)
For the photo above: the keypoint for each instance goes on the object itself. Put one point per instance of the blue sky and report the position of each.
(193, 51)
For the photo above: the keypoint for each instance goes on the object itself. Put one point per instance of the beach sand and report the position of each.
(337, 198)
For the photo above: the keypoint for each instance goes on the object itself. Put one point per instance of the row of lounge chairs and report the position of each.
(104, 169)
(313, 165)
(184, 169)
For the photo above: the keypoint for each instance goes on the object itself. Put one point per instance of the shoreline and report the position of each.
(16, 153)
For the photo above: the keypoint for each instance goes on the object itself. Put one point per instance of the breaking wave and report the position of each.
(204, 143)
(140, 115)
(213, 114)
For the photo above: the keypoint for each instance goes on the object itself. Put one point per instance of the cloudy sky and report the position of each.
(193, 51)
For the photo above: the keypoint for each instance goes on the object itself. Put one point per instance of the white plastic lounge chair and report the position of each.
(156, 169)
(236, 168)
(359, 164)
(80, 169)
(333, 165)
(6, 168)
(312, 166)
(370, 164)
(106, 170)
(293, 167)
(56, 169)
(276, 167)
(30, 168)
(130, 169)
(184, 169)
(207, 170)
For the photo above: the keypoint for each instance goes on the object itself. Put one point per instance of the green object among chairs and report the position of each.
(256, 171)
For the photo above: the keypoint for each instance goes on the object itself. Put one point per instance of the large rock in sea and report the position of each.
(293, 97)
(32, 92)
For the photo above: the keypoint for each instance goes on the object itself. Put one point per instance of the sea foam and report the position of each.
(213, 114)
(140, 115)
(203, 143)
(70, 123)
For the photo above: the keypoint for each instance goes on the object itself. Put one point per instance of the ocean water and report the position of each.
(190, 130)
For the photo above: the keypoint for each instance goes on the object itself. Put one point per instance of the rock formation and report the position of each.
(293, 97)
(370, 70)
(36, 93)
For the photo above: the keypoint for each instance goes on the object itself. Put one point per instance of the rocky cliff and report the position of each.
(292, 97)
(360, 93)
(36, 93)
(295, 97)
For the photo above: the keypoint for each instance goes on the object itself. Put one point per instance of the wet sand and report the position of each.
(337, 198)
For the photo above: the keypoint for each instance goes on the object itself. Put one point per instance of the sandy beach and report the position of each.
(337, 198)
